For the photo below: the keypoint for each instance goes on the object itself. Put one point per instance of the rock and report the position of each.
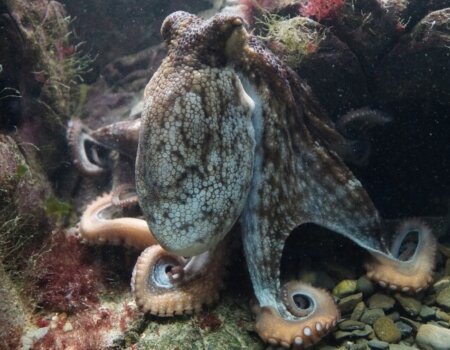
(410, 305)
(358, 311)
(443, 298)
(371, 315)
(394, 316)
(386, 330)
(441, 284)
(427, 313)
(365, 286)
(347, 304)
(378, 345)
(401, 347)
(195, 332)
(381, 301)
(357, 346)
(441, 315)
(345, 288)
(413, 324)
(12, 313)
(405, 329)
(430, 337)
(350, 325)
(358, 333)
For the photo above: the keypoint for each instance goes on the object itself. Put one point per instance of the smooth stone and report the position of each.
(358, 311)
(378, 344)
(345, 288)
(443, 298)
(431, 337)
(410, 305)
(371, 315)
(401, 347)
(441, 284)
(427, 313)
(365, 286)
(405, 329)
(413, 324)
(441, 315)
(394, 316)
(357, 346)
(381, 301)
(386, 330)
(350, 325)
(347, 304)
(358, 333)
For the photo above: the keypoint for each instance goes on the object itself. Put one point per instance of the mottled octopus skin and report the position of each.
(230, 133)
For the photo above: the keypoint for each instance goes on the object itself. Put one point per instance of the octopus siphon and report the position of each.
(231, 136)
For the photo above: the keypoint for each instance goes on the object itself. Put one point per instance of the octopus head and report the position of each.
(196, 146)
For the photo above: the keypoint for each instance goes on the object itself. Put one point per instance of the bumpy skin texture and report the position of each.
(229, 132)
(195, 156)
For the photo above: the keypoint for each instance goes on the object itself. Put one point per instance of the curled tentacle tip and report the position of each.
(164, 284)
(409, 267)
(314, 314)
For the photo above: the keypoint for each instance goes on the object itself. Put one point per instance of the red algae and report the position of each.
(321, 9)
(63, 277)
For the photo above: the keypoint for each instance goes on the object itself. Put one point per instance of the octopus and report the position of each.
(232, 140)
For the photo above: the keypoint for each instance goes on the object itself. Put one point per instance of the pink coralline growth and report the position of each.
(321, 9)
(63, 277)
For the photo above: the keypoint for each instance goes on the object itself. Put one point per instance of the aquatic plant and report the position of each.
(63, 277)
(298, 37)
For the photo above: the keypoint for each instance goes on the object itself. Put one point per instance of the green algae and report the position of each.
(228, 326)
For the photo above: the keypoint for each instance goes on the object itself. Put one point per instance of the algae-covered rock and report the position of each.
(345, 288)
(229, 326)
(12, 313)
(386, 330)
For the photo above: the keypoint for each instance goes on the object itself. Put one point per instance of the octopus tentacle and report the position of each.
(97, 225)
(77, 137)
(124, 196)
(316, 315)
(409, 270)
(166, 285)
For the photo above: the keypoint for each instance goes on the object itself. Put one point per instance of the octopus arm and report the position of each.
(98, 225)
(165, 284)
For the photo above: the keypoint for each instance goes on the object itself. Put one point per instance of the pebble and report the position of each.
(347, 304)
(441, 284)
(427, 313)
(365, 286)
(345, 288)
(67, 327)
(410, 305)
(371, 315)
(386, 330)
(413, 324)
(358, 311)
(358, 333)
(404, 328)
(401, 347)
(394, 316)
(378, 345)
(443, 316)
(443, 298)
(350, 325)
(433, 337)
(381, 301)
